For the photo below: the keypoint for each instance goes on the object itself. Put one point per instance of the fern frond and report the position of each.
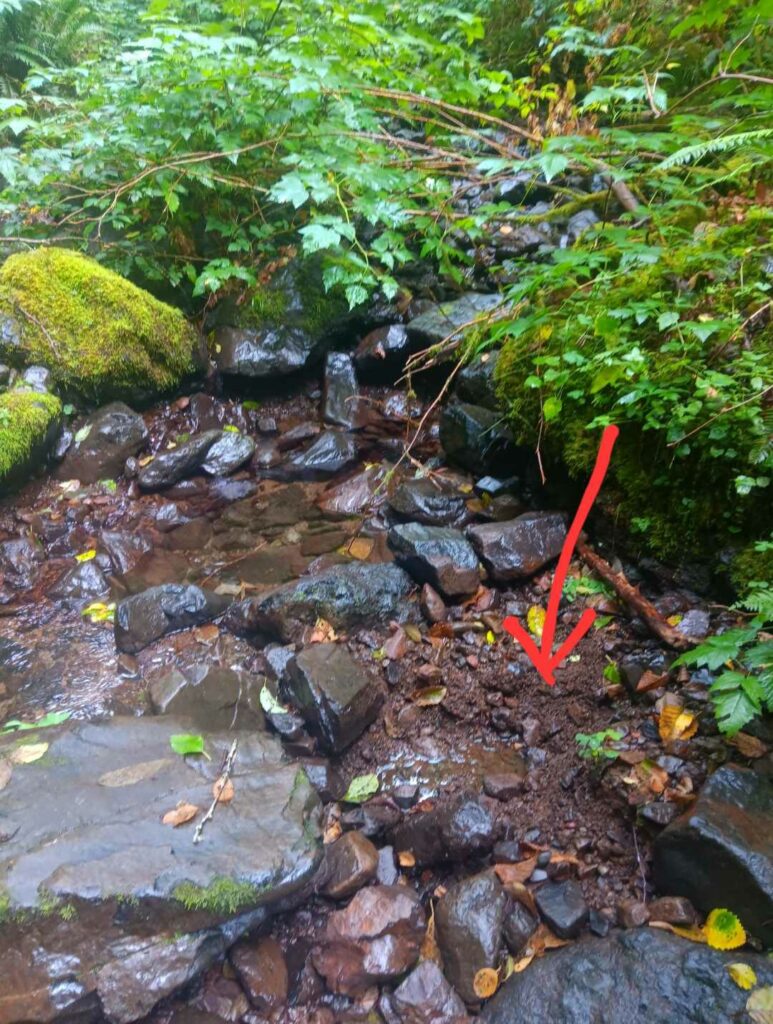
(722, 144)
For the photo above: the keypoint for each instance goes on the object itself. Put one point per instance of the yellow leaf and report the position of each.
(86, 556)
(490, 638)
(759, 1005)
(742, 975)
(28, 753)
(360, 547)
(675, 723)
(485, 983)
(535, 620)
(693, 933)
(674, 620)
(724, 930)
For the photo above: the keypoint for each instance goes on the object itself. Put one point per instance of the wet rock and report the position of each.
(169, 467)
(347, 596)
(659, 813)
(37, 378)
(695, 623)
(150, 909)
(84, 581)
(336, 697)
(341, 405)
(295, 436)
(213, 696)
(376, 938)
(144, 617)
(20, 557)
(432, 605)
(355, 494)
(468, 922)
(563, 907)
(425, 997)
(323, 777)
(229, 451)
(524, 185)
(381, 355)
(263, 353)
(349, 864)
(386, 869)
(438, 555)
(373, 818)
(103, 444)
(475, 383)
(599, 924)
(644, 975)
(332, 452)
(454, 830)
(476, 439)
(444, 319)
(232, 490)
(674, 910)
(632, 914)
(261, 967)
(223, 997)
(422, 501)
(124, 549)
(519, 926)
(191, 536)
(503, 785)
(720, 852)
(508, 851)
(521, 547)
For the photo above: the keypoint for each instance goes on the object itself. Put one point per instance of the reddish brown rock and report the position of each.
(673, 910)
(433, 607)
(349, 864)
(261, 968)
(503, 785)
(375, 938)
(632, 914)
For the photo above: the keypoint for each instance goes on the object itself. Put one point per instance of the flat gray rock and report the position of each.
(92, 882)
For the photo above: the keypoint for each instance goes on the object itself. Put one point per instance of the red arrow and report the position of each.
(544, 660)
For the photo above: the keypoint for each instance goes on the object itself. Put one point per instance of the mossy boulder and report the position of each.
(29, 423)
(101, 336)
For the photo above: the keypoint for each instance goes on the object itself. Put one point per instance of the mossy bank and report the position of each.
(29, 422)
(101, 336)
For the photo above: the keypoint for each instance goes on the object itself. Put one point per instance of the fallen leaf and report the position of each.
(543, 939)
(323, 633)
(652, 776)
(535, 620)
(523, 895)
(413, 633)
(270, 704)
(86, 556)
(97, 611)
(650, 680)
(428, 696)
(693, 933)
(759, 1005)
(676, 724)
(223, 790)
(182, 813)
(724, 930)
(6, 771)
(429, 947)
(442, 630)
(28, 753)
(428, 671)
(360, 548)
(748, 745)
(52, 718)
(515, 873)
(485, 983)
(406, 859)
(396, 646)
(186, 743)
(134, 773)
(206, 634)
(742, 975)
(632, 756)
(361, 789)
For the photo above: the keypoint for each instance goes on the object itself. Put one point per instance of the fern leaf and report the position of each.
(737, 698)
(722, 144)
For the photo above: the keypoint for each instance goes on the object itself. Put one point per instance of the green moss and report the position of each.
(295, 297)
(25, 418)
(222, 896)
(100, 335)
(751, 565)
(5, 906)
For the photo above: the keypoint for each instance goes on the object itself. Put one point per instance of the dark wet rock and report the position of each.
(150, 910)
(191, 536)
(562, 905)
(341, 405)
(521, 547)
(508, 851)
(349, 864)
(224, 997)
(153, 569)
(6, 375)
(103, 444)
(386, 869)
(477, 439)
(659, 813)
(267, 456)
(599, 924)
(695, 623)
(229, 451)
(375, 817)
(232, 490)
(84, 581)
(347, 596)
(523, 239)
(438, 555)
(169, 467)
(354, 495)
(124, 549)
(381, 355)
(519, 926)
(295, 436)
(468, 922)
(336, 697)
(21, 557)
(432, 605)
(720, 852)
(375, 938)
(205, 412)
(674, 910)
(503, 785)
(644, 975)
(475, 383)
(261, 967)
(448, 318)
(332, 452)
(271, 565)
(425, 997)
(324, 778)
(322, 541)
(214, 697)
(455, 830)
(522, 186)
(423, 501)
(263, 353)
(144, 617)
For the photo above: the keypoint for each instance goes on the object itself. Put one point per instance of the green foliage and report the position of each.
(361, 788)
(25, 419)
(100, 336)
(186, 743)
(52, 718)
(223, 896)
(596, 746)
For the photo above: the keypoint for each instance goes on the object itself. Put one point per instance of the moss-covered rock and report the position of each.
(29, 422)
(101, 336)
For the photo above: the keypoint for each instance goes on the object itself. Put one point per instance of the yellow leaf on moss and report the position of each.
(724, 930)
(742, 975)
(535, 620)
(485, 983)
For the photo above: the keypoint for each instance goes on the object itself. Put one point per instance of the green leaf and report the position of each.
(666, 320)
(737, 699)
(552, 164)
(290, 189)
(186, 743)
(551, 408)
(270, 704)
(52, 718)
(361, 789)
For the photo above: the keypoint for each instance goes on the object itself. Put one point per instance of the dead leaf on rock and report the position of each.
(323, 633)
(523, 895)
(674, 723)
(223, 791)
(134, 773)
(485, 983)
(360, 548)
(183, 813)
(28, 753)
(429, 696)
(516, 873)
(6, 771)
(396, 646)
(206, 634)
(650, 680)
(429, 947)
(748, 745)
(406, 859)
(442, 631)
(693, 933)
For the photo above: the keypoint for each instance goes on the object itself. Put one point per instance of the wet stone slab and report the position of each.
(90, 876)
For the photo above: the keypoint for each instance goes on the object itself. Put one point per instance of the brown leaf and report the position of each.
(748, 745)
(631, 756)
(134, 773)
(516, 873)
(182, 813)
(693, 933)
(396, 646)
(523, 963)
(523, 895)
(651, 681)
(485, 983)
(332, 832)
(406, 859)
(360, 548)
(442, 630)
(429, 947)
(206, 634)
(6, 771)
(428, 696)
(223, 790)
(413, 632)
(323, 633)
(428, 671)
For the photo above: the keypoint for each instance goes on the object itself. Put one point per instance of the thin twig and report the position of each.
(219, 787)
